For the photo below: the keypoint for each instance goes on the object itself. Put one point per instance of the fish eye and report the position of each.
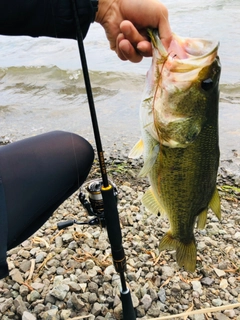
(207, 84)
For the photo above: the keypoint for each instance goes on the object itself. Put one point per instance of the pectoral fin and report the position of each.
(137, 150)
(151, 203)
(150, 160)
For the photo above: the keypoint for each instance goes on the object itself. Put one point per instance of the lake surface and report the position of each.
(42, 88)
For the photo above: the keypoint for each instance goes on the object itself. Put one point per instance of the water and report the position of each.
(42, 88)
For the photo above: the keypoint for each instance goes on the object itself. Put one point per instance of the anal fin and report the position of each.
(202, 219)
(215, 204)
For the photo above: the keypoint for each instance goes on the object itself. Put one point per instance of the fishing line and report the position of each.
(75, 158)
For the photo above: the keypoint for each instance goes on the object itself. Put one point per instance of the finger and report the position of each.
(128, 51)
(164, 27)
(120, 37)
(131, 33)
(145, 48)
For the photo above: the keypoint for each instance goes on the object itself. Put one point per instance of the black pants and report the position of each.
(37, 175)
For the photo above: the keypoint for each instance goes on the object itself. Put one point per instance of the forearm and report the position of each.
(53, 18)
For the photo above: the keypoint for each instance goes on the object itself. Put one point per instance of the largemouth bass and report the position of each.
(179, 127)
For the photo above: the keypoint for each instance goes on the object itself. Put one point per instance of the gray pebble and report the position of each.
(23, 290)
(33, 296)
(28, 316)
(167, 272)
(51, 314)
(5, 305)
(60, 291)
(146, 301)
(221, 316)
(77, 301)
(207, 281)
(162, 295)
(40, 257)
(217, 302)
(92, 297)
(96, 309)
(197, 286)
(25, 266)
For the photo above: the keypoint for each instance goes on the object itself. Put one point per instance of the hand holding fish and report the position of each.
(125, 25)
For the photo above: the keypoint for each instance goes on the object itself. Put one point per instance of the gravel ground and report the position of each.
(69, 273)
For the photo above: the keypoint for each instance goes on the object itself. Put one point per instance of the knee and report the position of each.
(83, 150)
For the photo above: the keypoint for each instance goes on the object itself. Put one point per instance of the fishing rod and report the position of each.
(107, 189)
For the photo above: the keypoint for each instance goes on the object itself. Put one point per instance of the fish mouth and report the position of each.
(185, 55)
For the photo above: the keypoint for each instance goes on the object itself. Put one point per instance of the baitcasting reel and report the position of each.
(94, 205)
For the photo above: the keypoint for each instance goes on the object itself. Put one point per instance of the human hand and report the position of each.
(125, 23)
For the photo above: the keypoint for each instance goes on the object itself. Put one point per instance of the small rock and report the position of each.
(93, 287)
(40, 257)
(230, 313)
(140, 312)
(92, 298)
(217, 302)
(39, 308)
(25, 266)
(135, 300)
(23, 290)
(65, 314)
(220, 316)
(60, 291)
(20, 305)
(67, 237)
(219, 273)
(77, 302)
(73, 286)
(207, 281)
(198, 317)
(51, 314)
(4, 306)
(83, 277)
(16, 276)
(33, 296)
(24, 253)
(59, 242)
(223, 284)
(175, 289)
(37, 286)
(154, 310)
(167, 272)
(109, 270)
(89, 264)
(197, 286)
(185, 286)
(162, 295)
(28, 316)
(237, 236)
(116, 301)
(146, 301)
(153, 294)
(96, 309)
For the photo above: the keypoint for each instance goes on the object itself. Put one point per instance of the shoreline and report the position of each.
(229, 163)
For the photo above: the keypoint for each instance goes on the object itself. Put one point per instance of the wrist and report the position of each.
(103, 10)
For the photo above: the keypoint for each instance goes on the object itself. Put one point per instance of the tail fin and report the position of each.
(186, 254)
